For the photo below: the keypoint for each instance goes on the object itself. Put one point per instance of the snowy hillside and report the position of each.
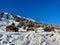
(24, 37)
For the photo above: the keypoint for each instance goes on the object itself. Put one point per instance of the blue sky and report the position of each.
(47, 11)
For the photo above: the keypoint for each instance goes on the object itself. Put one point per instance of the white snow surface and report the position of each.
(29, 38)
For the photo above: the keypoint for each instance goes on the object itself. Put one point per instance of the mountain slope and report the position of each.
(8, 18)
(25, 38)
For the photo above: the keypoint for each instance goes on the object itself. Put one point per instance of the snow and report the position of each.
(16, 23)
(22, 30)
(5, 13)
(29, 38)
(22, 37)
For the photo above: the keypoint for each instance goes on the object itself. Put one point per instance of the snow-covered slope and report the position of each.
(5, 20)
(8, 18)
(24, 37)
(29, 38)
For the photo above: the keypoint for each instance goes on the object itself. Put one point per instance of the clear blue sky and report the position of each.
(47, 11)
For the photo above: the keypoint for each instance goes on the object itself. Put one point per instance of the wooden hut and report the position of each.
(49, 29)
(30, 29)
(11, 28)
